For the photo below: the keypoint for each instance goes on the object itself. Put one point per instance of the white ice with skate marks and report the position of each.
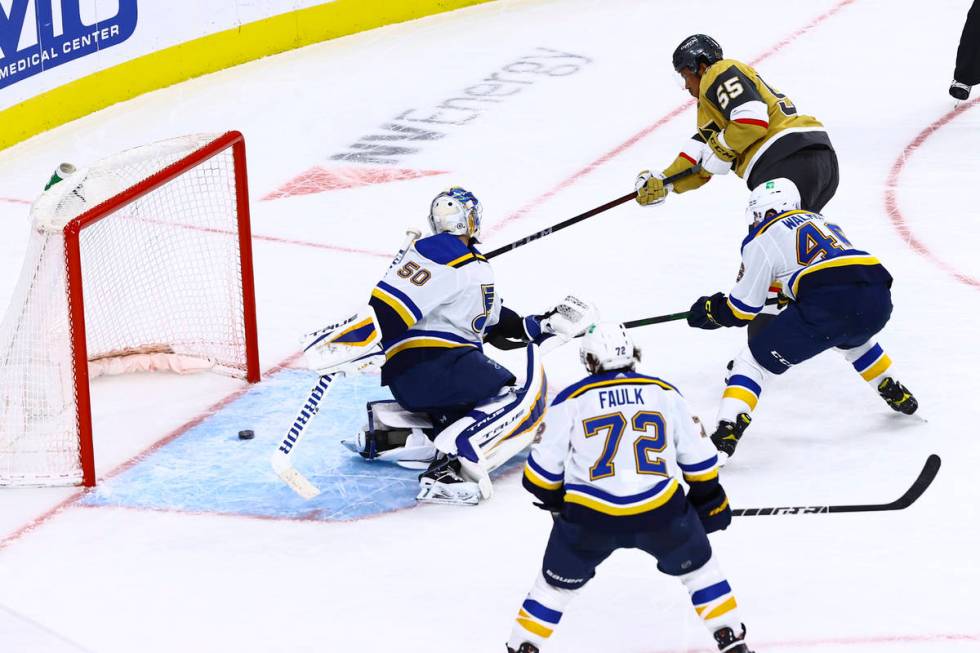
(110, 579)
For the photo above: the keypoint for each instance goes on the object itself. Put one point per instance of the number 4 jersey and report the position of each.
(617, 445)
(794, 250)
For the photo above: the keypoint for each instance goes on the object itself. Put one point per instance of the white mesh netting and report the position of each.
(161, 274)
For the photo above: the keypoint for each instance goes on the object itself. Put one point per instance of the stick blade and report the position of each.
(293, 478)
(922, 483)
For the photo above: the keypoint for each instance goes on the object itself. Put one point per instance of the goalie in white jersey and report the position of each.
(609, 466)
(430, 315)
(839, 296)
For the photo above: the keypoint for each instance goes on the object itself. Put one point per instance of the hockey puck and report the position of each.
(246, 434)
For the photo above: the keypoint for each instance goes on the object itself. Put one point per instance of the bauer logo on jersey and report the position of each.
(53, 32)
(480, 321)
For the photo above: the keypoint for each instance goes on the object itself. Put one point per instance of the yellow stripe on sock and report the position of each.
(534, 627)
(877, 369)
(727, 606)
(736, 392)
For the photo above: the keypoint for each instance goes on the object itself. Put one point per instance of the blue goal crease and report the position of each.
(209, 469)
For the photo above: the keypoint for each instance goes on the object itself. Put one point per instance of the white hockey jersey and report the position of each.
(794, 248)
(618, 443)
(442, 292)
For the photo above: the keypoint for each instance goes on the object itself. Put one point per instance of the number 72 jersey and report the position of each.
(795, 250)
(617, 444)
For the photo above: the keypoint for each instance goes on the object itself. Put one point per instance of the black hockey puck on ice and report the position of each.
(246, 434)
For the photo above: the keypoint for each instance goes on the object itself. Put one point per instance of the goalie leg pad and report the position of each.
(393, 434)
(495, 432)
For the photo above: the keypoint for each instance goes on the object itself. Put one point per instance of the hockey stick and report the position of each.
(585, 216)
(281, 459)
(632, 324)
(926, 476)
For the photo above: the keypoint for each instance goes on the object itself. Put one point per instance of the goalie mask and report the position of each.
(772, 198)
(456, 211)
(607, 347)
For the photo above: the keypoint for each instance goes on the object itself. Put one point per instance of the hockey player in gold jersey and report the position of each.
(745, 125)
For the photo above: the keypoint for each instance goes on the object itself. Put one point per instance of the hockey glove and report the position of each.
(650, 189)
(700, 316)
(718, 161)
(569, 318)
(711, 505)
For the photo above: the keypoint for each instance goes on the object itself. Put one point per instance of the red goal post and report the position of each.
(156, 269)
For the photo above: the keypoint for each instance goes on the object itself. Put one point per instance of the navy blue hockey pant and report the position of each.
(448, 384)
(575, 550)
(844, 316)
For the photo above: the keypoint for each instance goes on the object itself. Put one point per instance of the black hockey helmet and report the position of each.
(695, 50)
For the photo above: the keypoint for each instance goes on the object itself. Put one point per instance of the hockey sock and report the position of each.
(539, 614)
(712, 597)
(870, 361)
(743, 389)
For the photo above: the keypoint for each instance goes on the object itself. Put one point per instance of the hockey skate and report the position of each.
(526, 647)
(443, 483)
(897, 396)
(959, 91)
(729, 642)
(727, 434)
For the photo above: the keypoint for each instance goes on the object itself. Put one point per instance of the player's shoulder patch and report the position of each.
(447, 249)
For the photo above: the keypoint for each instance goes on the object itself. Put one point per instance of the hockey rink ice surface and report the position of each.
(191, 543)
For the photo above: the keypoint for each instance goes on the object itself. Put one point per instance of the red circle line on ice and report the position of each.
(891, 199)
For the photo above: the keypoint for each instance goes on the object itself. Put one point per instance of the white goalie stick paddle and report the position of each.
(921, 483)
(281, 460)
(282, 457)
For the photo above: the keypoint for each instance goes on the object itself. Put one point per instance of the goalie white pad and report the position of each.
(466, 493)
(393, 434)
(498, 430)
(348, 346)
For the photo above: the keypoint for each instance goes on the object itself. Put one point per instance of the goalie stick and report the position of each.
(585, 216)
(925, 478)
(281, 459)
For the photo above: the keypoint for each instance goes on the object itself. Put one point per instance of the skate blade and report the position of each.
(457, 494)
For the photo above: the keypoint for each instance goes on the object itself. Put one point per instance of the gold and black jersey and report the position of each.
(757, 121)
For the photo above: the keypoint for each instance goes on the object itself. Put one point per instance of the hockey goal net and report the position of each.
(140, 261)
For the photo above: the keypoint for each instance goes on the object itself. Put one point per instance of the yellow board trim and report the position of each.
(736, 392)
(622, 511)
(534, 627)
(208, 54)
(877, 369)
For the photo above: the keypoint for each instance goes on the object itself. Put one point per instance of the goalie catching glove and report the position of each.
(570, 318)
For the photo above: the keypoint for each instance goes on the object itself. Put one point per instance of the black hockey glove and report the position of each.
(711, 505)
(700, 316)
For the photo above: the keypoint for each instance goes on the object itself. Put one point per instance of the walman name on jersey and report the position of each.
(620, 397)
